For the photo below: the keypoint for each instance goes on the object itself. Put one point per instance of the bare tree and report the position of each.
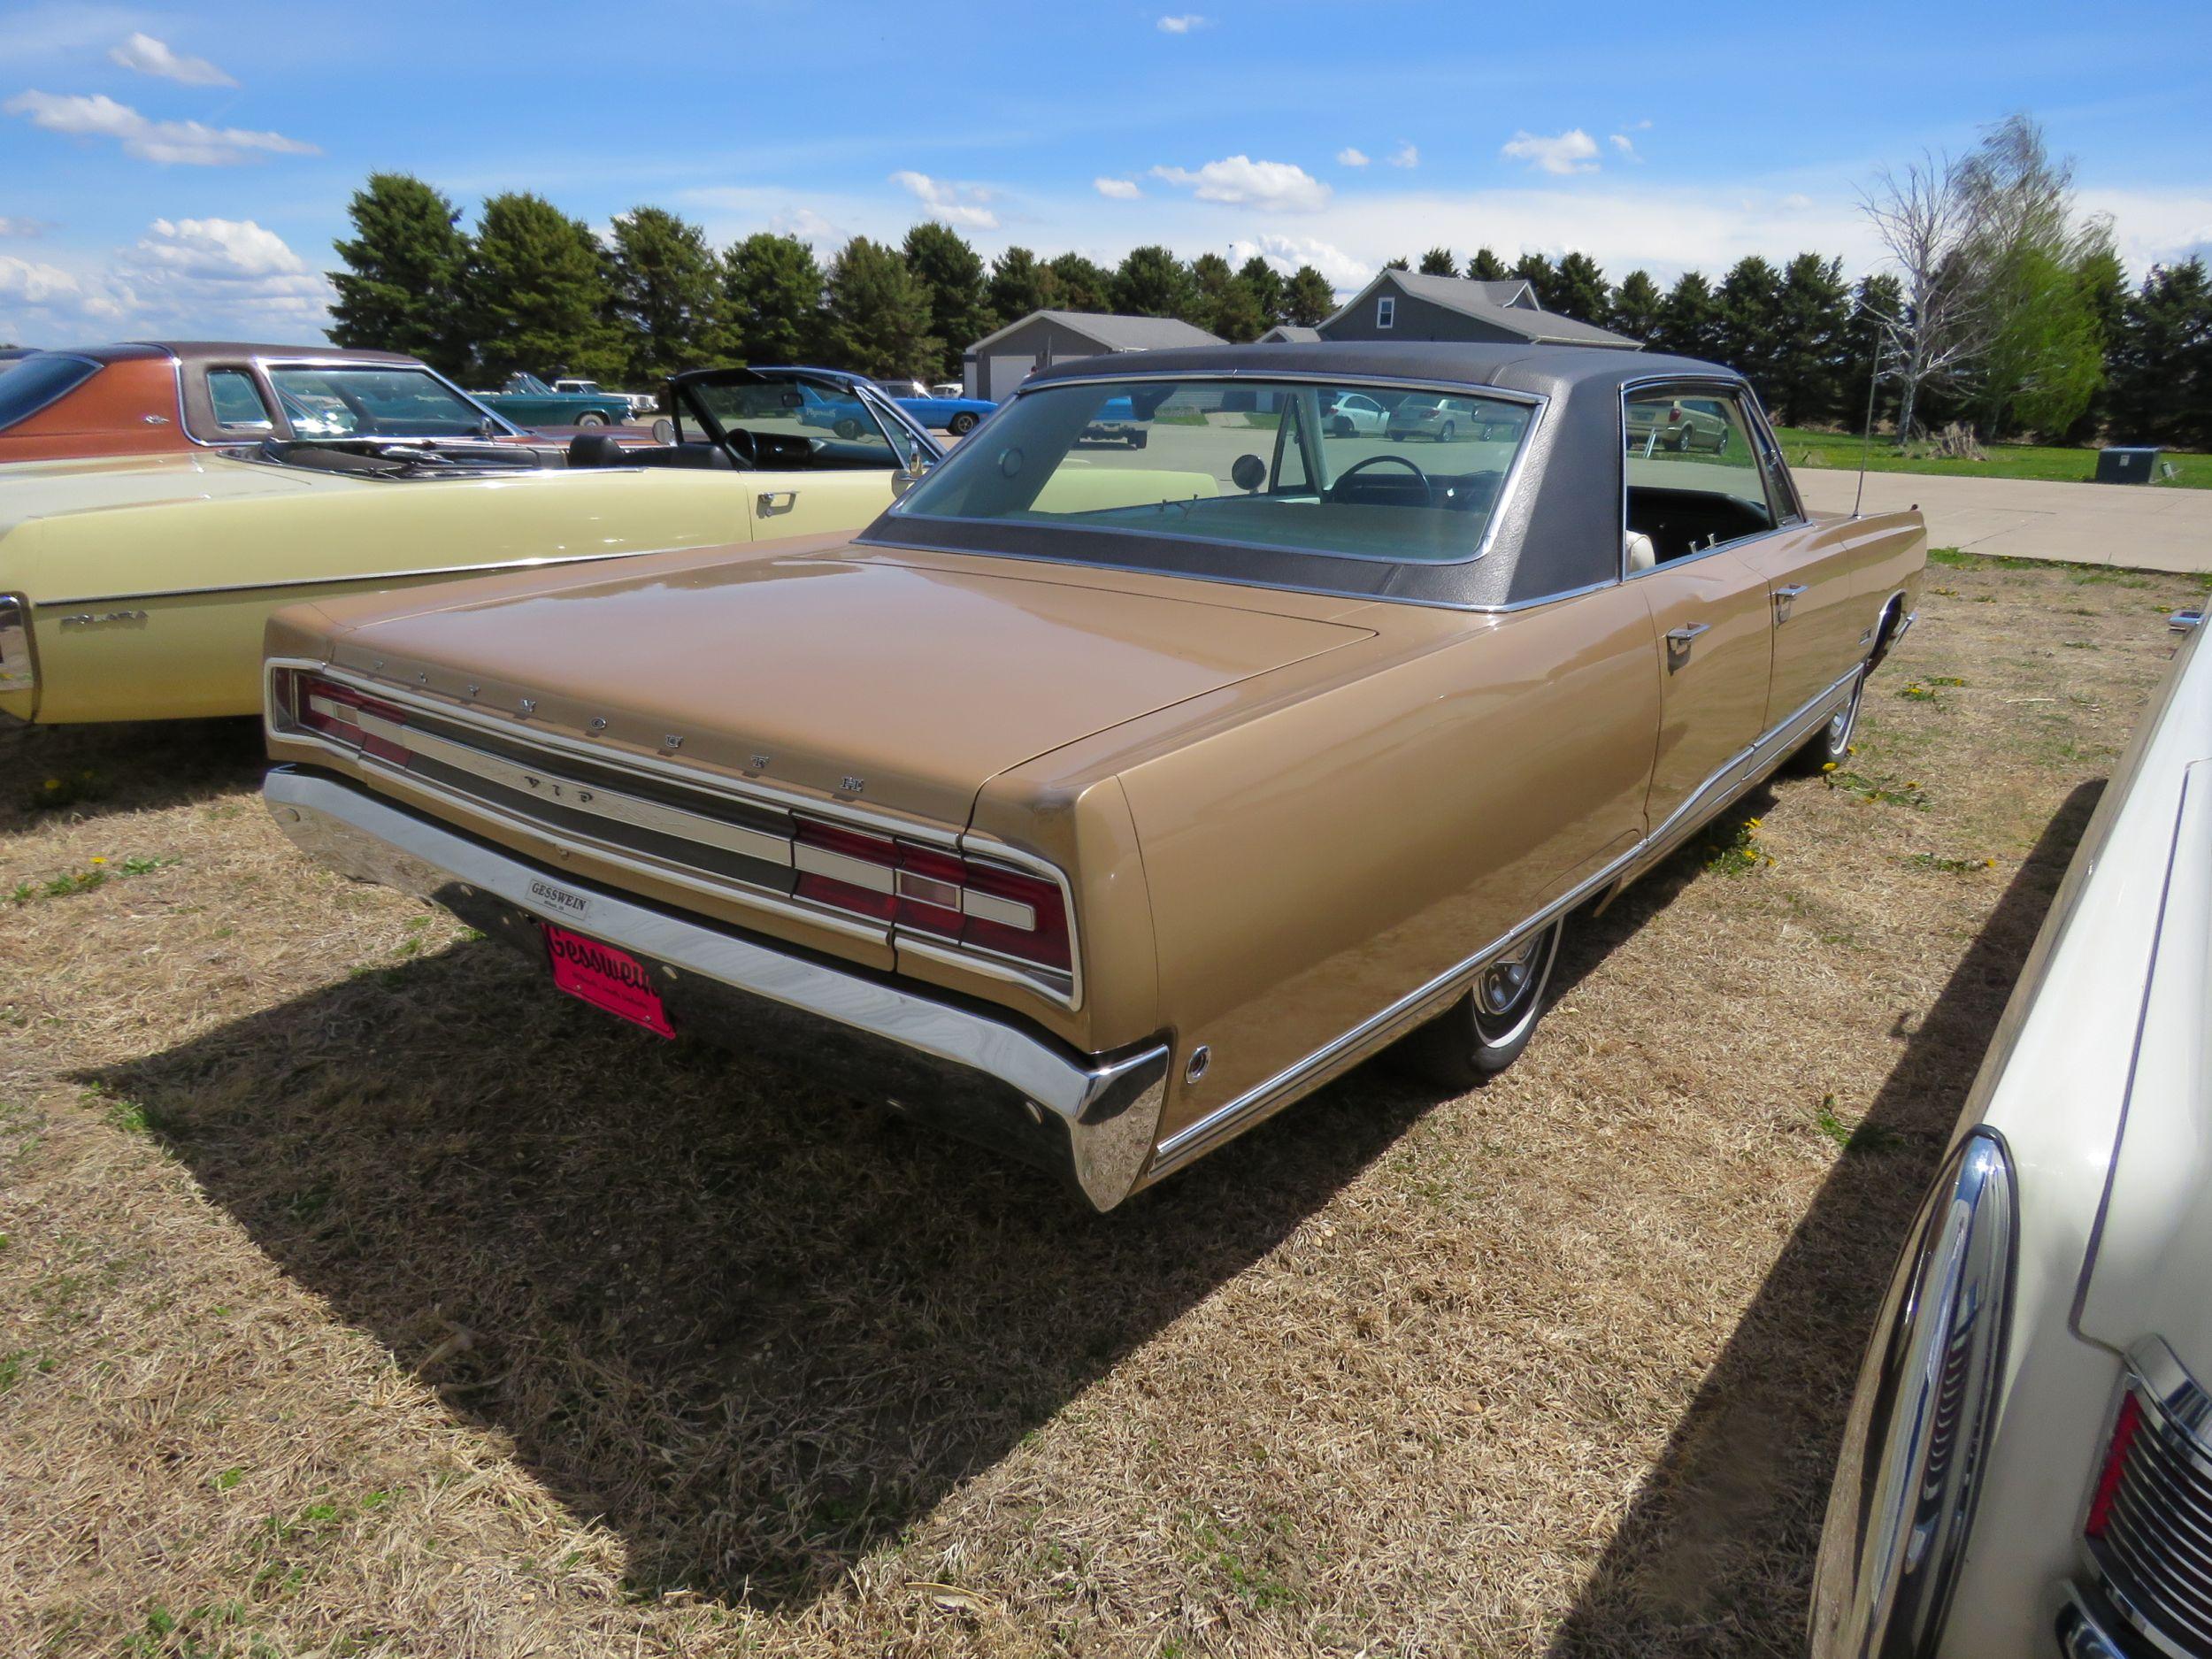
(1933, 220)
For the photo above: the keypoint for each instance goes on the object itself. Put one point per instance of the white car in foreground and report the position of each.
(2027, 1466)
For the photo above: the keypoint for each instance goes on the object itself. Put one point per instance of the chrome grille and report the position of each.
(2155, 1544)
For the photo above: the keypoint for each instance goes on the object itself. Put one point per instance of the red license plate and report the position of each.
(606, 978)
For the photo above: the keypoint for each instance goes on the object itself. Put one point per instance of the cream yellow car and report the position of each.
(137, 587)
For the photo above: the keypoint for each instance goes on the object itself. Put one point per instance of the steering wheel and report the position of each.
(1428, 489)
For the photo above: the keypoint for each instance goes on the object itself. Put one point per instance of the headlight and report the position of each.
(1913, 1446)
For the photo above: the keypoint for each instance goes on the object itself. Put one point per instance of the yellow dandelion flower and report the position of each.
(99, 861)
(1828, 766)
(1989, 864)
(53, 783)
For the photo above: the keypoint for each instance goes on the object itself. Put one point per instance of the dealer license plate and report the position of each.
(606, 978)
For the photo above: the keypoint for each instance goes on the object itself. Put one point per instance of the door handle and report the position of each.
(1784, 598)
(777, 501)
(1680, 641)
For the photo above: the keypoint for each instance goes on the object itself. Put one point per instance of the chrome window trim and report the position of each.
(1732, 778)
(1064, 988)
(1508, 485)
(263, 364)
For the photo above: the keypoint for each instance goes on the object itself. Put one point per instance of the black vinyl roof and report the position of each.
(1546, 370)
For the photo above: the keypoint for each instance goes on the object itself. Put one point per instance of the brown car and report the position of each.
(1096, 804)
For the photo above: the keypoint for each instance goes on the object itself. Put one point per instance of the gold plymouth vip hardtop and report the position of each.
(1097, 802)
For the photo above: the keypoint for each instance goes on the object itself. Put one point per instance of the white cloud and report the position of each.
(219, 249)
(1350, 158)
(1573, 151)
(185, 143)
(809, 226)
(1182, 25)
(1624, 146)
(955, 204)
(23, 229)
(151, 57)
(1116, 189)
(1273, 186)
(1405, 156)
(210, 277)
(1286, 254)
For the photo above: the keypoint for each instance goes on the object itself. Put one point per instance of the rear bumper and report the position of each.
(1091, 1120)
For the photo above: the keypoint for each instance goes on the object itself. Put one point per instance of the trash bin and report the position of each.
(2127, 466)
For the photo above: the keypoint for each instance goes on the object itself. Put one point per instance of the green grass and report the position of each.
(2006, 460)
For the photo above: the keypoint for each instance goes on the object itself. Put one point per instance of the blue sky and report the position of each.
(184, 169)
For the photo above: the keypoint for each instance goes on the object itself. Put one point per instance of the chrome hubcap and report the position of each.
(1505, 982)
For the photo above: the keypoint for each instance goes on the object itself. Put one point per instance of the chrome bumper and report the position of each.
(1091, 1119)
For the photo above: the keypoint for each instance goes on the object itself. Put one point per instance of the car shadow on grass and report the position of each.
(753, 1326)
(1717, 1550)
(90, 771)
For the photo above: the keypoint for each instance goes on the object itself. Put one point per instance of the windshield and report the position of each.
(1286, 465)
(350, 401)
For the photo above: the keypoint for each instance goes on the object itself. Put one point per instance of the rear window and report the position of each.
(1292, 466)
(34, 382)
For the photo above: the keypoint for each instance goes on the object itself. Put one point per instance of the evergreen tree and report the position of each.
(1439, 262)
(1812, 342)
(1689, 321)
(1537, 271)
(959, 303)
(1266, 284)
(876, 314)
(1750, 303)
(1400, 264)
(1019, 286)
(1634, 309)
(1225, 305)
(667, 296)
(1868, 349)
(2104, 284)
(1579, 289)
(1486, 267)
(1153, 282)
(1085, 284)
(772, 290)
(1308, 299)
(2161, 367)
(537, 293)
(403, 287)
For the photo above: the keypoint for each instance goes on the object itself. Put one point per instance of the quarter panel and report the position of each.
(1313, 863)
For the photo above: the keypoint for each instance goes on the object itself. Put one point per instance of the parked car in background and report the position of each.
(1115, 421)
(643, 405)
(152, 398)
(948, 388)
(137, 588)
(1096, 806)
(1678, 424)
(529, 401)
(955, 413)
(1441, 419)
(1356, 412)
(2027, 1464)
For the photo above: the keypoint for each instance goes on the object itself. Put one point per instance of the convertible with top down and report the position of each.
(1095, 803)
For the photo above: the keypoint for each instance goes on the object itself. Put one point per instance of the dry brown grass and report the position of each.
(358, 1296)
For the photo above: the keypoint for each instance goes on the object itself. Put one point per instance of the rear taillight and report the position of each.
(2116, 1462)
(300, 701)
(977, 904)
(1674, 415)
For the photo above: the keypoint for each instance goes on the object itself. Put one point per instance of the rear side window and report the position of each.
(34, 382)
(237, 402)
(1695, 481)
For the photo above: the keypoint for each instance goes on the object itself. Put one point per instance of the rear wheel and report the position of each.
(848, 427)
(1485, 1029)
(591, 417)
(1448, 433)
(961, 425)
(1832, 744)
(1137, 439)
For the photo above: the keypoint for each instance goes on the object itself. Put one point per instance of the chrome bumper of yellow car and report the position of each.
(1091, 1119)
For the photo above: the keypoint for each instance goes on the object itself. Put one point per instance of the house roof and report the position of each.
(1289, 334)
(1116, 332)
(1518, 313)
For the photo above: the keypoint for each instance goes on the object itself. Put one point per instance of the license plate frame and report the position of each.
(607, 978)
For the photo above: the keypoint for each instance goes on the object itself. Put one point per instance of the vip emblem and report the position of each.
(854, 786)
(671, 741)
(760, 763)
(598, 724)
(529, 706)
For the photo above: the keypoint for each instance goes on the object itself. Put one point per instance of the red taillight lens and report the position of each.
(336, 711)
(2124, 1434)
(847, 868)
(974, 903)
(996, 919)
(1674, 415)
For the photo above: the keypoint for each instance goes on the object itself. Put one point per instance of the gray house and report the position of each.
(1403, 305)
(1289, 334)
(995, 365)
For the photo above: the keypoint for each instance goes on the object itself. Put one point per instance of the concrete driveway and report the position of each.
(2142, 526)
